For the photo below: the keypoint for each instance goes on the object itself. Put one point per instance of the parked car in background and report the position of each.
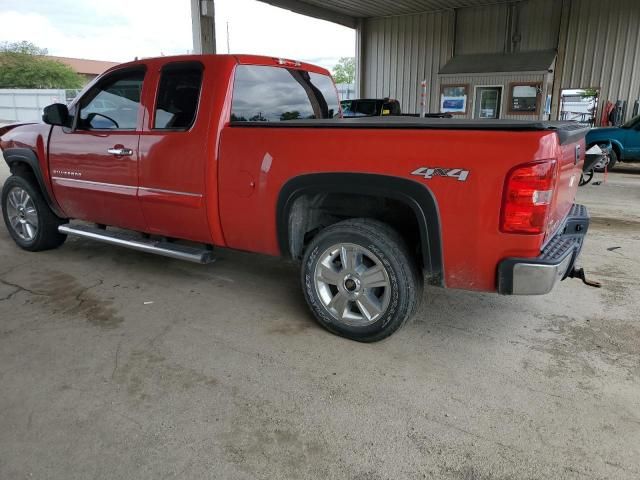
(370, 107)
(382, 107)
(624, 141)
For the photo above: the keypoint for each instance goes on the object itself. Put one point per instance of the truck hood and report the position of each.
(10, 126)
(23, 135)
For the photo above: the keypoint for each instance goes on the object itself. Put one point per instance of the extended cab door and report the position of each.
(94, 164)
(174, 151)
(252, 164)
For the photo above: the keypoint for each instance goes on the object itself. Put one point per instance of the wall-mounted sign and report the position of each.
(453, 99)
(524, 98)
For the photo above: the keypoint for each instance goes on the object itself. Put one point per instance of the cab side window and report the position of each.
(114, 103)
(274, 94)
(178, 96)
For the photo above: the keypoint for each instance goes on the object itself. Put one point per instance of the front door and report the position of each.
(488, 102)
(94, 164)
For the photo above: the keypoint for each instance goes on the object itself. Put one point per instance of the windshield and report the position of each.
(631, 123)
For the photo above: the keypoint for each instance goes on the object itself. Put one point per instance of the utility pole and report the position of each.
(228, 49)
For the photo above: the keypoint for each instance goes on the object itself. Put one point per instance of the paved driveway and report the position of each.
(115, 364)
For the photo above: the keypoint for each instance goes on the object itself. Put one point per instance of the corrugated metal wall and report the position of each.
(400, 52)
(600, 47)
(481, 29)
(519, 27)
(538, 25)
(598, 42)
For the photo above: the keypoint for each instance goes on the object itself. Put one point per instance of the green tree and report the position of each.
(290, 115)
(345, 70)
(24, 65)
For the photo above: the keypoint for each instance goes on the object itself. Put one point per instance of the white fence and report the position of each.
(25, 105)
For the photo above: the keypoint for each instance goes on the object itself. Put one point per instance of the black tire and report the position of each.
(391, 254)
(46, 236)
(613, 159)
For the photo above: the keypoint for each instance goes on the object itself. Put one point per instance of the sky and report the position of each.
(120, 30)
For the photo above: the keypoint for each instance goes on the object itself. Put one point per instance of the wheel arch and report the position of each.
(615, 144)
(25, 160)
(415, 196)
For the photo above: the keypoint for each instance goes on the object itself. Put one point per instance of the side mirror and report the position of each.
(56, 114)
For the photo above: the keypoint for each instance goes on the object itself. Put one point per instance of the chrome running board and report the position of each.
(130, 240)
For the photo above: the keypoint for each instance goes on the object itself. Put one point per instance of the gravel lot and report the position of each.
(116, 364)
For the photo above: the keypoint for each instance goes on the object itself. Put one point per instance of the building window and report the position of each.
(525, 98)
(453, 99)
(178, 95)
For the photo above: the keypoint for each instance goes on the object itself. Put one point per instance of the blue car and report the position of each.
(624, 140)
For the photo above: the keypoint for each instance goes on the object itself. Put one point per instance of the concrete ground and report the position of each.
(116, 364)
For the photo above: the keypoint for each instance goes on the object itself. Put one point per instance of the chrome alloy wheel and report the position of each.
(353, 284)
(22, 214)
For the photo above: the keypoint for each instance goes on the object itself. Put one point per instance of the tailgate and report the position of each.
(571, 140)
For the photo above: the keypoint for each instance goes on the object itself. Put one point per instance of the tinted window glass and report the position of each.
(113, 104)
(368, 107)
(272, 94)
(178, 95)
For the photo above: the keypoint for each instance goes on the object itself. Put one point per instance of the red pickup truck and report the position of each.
(178, 155)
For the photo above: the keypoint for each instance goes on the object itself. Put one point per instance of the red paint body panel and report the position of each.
(219, 184)
(469, 211)
(91, 184)
(33, 136)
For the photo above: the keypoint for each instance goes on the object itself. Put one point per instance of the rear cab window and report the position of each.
(274, 94)
(178, 96)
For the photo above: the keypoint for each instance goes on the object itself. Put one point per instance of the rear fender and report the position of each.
(418, 197)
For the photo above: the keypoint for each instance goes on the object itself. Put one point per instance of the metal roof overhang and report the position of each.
(538, 61)
(348, 12)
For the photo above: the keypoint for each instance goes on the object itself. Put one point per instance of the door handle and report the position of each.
(119, 151)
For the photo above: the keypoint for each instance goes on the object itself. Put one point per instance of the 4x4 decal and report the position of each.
(430, 172)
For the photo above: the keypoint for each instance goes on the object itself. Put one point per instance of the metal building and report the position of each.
(493, 58)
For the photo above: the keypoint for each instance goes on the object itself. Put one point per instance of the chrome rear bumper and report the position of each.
(537, 276)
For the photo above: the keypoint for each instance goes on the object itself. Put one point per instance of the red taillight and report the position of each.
(528, 193)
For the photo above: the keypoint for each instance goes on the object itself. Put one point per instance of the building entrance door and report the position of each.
(488, 102)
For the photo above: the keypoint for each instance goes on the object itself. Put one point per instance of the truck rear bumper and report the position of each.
(537, 276)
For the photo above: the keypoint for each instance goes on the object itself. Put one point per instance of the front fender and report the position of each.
(27, 158)
(603, 137)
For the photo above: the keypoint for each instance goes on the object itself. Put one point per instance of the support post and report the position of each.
(360, 60)
(203, 26)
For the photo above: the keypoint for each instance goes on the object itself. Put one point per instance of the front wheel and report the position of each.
(604, 164)
(360, 280)
(30, 221)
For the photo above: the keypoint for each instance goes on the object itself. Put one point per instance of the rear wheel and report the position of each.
(360, 280)
(30, 221)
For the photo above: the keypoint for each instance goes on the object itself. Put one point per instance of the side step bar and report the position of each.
(129, 240)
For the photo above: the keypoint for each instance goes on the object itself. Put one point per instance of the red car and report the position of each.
(185, 154)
